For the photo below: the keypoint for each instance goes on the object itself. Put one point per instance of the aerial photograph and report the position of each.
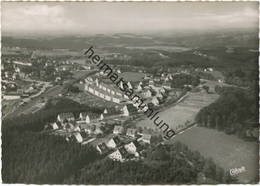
(147, 93)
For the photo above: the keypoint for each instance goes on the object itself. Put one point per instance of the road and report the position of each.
(35, 102)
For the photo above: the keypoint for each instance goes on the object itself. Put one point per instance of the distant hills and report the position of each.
(210, 39)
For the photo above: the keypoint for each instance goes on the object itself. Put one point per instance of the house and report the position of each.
(89, 129)
(83, 134)
(68, 126)
(119, 155)
(98, 130)
(155, 101)
(147, 93)
(151, 82)
(146, 138)
(65, 117)
(102, 148)
(77, 136)
(76, 128)
(131, 132)
(118, 129)
(101, 117)
(159, 95)
(139, 88)
(166, 85)
(162, 90)
(84, 117)
(133, 148)
(129, 85)
(114, 142)
(125, 111)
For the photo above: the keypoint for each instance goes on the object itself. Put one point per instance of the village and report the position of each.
(113, 134)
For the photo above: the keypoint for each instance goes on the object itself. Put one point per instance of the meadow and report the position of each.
(184, 112)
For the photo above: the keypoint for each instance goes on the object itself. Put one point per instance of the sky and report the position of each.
(131, 17)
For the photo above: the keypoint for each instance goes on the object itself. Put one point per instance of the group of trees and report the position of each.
(243, 77)
(180, 80)
(234, 112)
(166, 164)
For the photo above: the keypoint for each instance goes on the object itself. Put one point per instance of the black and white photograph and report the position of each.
(129, 93)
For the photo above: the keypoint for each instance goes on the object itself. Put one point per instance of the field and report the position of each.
(227, 151)
(185, 111)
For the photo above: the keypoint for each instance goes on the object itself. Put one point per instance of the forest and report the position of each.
(165, 164)
(235, 112)
(39, 158)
